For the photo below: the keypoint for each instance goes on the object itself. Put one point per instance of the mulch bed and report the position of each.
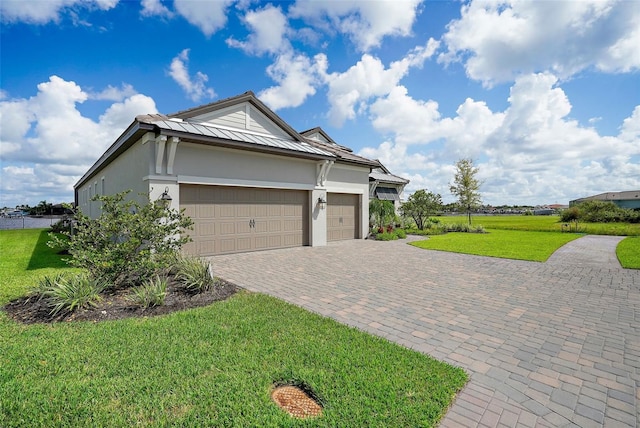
(114, 305)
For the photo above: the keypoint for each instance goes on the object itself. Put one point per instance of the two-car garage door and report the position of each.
(238, 219)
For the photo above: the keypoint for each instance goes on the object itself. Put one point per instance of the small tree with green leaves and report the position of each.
(466, 187)
(128, 242)
(382, 212)
(420, 206)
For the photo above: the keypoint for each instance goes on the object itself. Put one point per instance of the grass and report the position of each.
(211, 366)
(628, 252)
(509, 244)
(544, 224)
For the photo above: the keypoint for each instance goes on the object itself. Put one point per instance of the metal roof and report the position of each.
(199, 129)
(388, 178)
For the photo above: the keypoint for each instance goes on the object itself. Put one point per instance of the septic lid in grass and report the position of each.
(295, 401)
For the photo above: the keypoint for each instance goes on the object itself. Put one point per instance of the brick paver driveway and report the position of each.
(545, 344)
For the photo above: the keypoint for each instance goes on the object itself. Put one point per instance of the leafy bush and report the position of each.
(386, 236)
(194, 274)
(570, 214)
(127, 242)
(152, 292)
(600, 212)
(70, 292)
(464, 227)
(400, 233)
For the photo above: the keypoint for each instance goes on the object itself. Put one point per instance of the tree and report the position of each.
(465, 186)
(128, 242)
(382, 212)
(420, 206)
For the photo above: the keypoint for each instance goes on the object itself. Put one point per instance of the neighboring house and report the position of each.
(386, 186)
(247, 179)
(627, 199)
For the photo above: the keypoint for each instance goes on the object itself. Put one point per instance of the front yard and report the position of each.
(211, 366)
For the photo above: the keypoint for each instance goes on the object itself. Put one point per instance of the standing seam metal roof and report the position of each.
(163, 122)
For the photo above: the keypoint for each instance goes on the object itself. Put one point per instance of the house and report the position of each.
(247, 179)
(386, 186)
(627, 199)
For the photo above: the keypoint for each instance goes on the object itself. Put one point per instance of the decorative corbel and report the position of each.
(161, 140)
(171, 156)
(322, 170)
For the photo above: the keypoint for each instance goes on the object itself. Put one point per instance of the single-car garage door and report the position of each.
(342, 216)
(237, 219)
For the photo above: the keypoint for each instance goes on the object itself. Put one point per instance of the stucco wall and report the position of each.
(124, 173)
(214, 165)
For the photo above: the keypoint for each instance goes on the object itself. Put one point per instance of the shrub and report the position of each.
(400, 233)
(464, 227)
(152, 292)
(127, 242)
(68, 293)
(386, 236)
(194, 274)
(570, 214)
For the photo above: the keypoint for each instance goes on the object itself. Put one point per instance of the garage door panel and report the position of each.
(234, 219)
(342, 216)
(227, 228)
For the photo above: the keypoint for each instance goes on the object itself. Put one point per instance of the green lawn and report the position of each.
(211, 366)
(628, 252)
(509, 244)
(544, 224)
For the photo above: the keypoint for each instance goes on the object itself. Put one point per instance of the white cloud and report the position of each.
(532, 148)
(297, 77)
(630, 130)
(268, 29)
(208, 15)
(195, 87)
(154, 8)
(42, 12)
(501, 39)
(112, 93)
(369, 78)
(47, 144)
(365, 22)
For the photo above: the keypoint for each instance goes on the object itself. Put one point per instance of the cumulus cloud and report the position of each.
(500, 40)
(532, 148)
(209, 16)
(46, 144)
(154, 8)
(297, 77)
(113, 93)
(42, 12)
(369, 78)
(195, 87)
(365, 22)
(268, 29)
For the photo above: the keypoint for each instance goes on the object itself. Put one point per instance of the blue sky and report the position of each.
(544, 96)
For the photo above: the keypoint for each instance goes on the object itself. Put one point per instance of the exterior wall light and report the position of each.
(322, 202)
(165, 199)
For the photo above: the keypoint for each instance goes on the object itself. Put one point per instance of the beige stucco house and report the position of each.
(247, 179)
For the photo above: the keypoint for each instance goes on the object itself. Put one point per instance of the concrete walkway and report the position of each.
(545, 344)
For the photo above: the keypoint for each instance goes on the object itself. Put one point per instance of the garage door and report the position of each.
(342, 216)
(237, 219)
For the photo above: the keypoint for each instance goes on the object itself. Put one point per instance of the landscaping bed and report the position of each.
(116, 304)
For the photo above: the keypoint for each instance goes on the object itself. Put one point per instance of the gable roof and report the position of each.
(382, 174)
(248, 97)
(343, 153)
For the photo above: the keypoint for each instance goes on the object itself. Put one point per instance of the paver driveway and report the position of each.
(545, 344)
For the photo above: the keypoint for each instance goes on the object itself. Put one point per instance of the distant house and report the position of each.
(627, 199)
(247, 179)
(385, 186)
